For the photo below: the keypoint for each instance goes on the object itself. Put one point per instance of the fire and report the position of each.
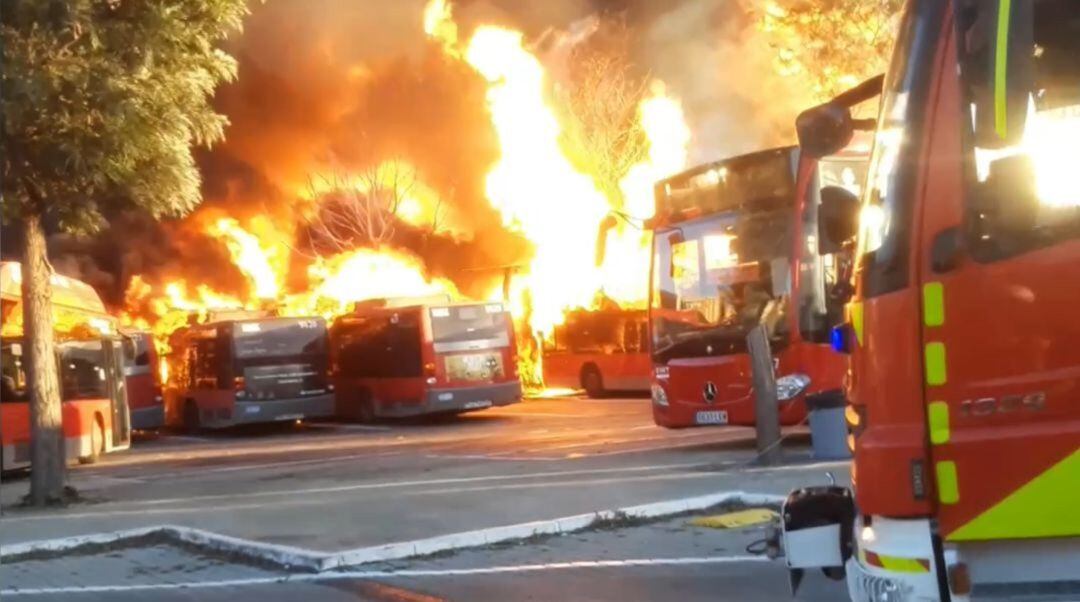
(250, 256)
(541, 194)
(363, 274)
(534, 185)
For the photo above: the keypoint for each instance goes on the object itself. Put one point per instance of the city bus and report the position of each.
(141, 375)
(90, 362)
(735, 246)
(247, 370)
(401, 358)
(599, 351)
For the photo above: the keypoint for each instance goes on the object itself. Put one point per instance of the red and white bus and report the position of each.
(90, 361)
(735, 246)
(427, 358)
(243, 371)
(599, 351)
(142, 378)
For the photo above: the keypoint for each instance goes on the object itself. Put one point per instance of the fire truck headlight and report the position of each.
(659, 396)
(790, 386)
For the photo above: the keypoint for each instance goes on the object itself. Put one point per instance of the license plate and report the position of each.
(475, 405)
(290, 417)
(711, 417)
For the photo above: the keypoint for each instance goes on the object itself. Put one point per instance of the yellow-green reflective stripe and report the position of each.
(856, 313)
(933, 294)
(948, 489)
(938, 414)
(1001, 60)
(902, 565)
(935, 364)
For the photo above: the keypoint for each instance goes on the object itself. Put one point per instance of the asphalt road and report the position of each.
(331, 487)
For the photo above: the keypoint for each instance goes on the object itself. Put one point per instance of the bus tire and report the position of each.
(192, 421)
(365, 410)
(592, 382)
(97, 441)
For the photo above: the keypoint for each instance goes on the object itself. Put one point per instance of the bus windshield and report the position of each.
(459, 327)
(279, 338)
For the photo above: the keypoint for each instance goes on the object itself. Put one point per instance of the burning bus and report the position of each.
(735, 246)
(599, 351)
(238, 369)
(409, 357)
(90, 362)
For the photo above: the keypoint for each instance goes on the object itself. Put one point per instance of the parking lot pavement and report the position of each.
(335, 487)
(669, 560)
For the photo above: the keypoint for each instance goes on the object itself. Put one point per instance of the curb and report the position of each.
(293, 558)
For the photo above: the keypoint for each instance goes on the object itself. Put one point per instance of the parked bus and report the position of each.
(734, 247)
(242, 371)
(599, 351)
(141, 375)
(426, 358)
(90, 363)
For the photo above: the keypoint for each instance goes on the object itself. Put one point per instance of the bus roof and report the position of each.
(726, 184)
(68, 292)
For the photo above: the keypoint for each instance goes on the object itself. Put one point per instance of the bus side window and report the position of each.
(13, 374)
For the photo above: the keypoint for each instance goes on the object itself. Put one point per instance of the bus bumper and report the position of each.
(249, 412)
(148, 418)
(465, 399)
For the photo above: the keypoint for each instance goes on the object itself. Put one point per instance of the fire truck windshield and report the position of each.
(717, 277)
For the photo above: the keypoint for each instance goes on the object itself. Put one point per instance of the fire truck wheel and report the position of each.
(192, 421)
(97, 442)
(592, 382)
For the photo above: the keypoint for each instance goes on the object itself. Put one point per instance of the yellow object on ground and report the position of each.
(734, 520)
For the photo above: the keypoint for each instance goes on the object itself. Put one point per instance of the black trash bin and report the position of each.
(828, 429)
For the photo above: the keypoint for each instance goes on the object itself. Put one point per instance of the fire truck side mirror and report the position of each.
(838, 219)
(1008, 200)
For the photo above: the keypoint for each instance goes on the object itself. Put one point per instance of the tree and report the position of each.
(362, 210)
(834, 43)
(102, 101)
(600, 97)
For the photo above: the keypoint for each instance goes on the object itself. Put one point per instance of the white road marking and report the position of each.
(410, 573)
(343, 488)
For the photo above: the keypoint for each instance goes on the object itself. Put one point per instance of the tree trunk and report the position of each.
(47, 457)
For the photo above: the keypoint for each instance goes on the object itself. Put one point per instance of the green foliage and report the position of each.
(103, 99)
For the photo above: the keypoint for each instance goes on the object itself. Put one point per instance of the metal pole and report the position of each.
(766, 407)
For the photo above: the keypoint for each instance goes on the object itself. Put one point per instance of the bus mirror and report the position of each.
(838, 219)
(824, 130)
(999, 67)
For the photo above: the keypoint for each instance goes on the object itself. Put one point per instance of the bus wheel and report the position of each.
(192, 422)
(592, 382)
(97, 442)
(365, 411)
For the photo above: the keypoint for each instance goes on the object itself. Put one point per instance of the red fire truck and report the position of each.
(396, 358)
(962, 331)
(735, 245)
(243, 370)
(90, 359)
(599, 351)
